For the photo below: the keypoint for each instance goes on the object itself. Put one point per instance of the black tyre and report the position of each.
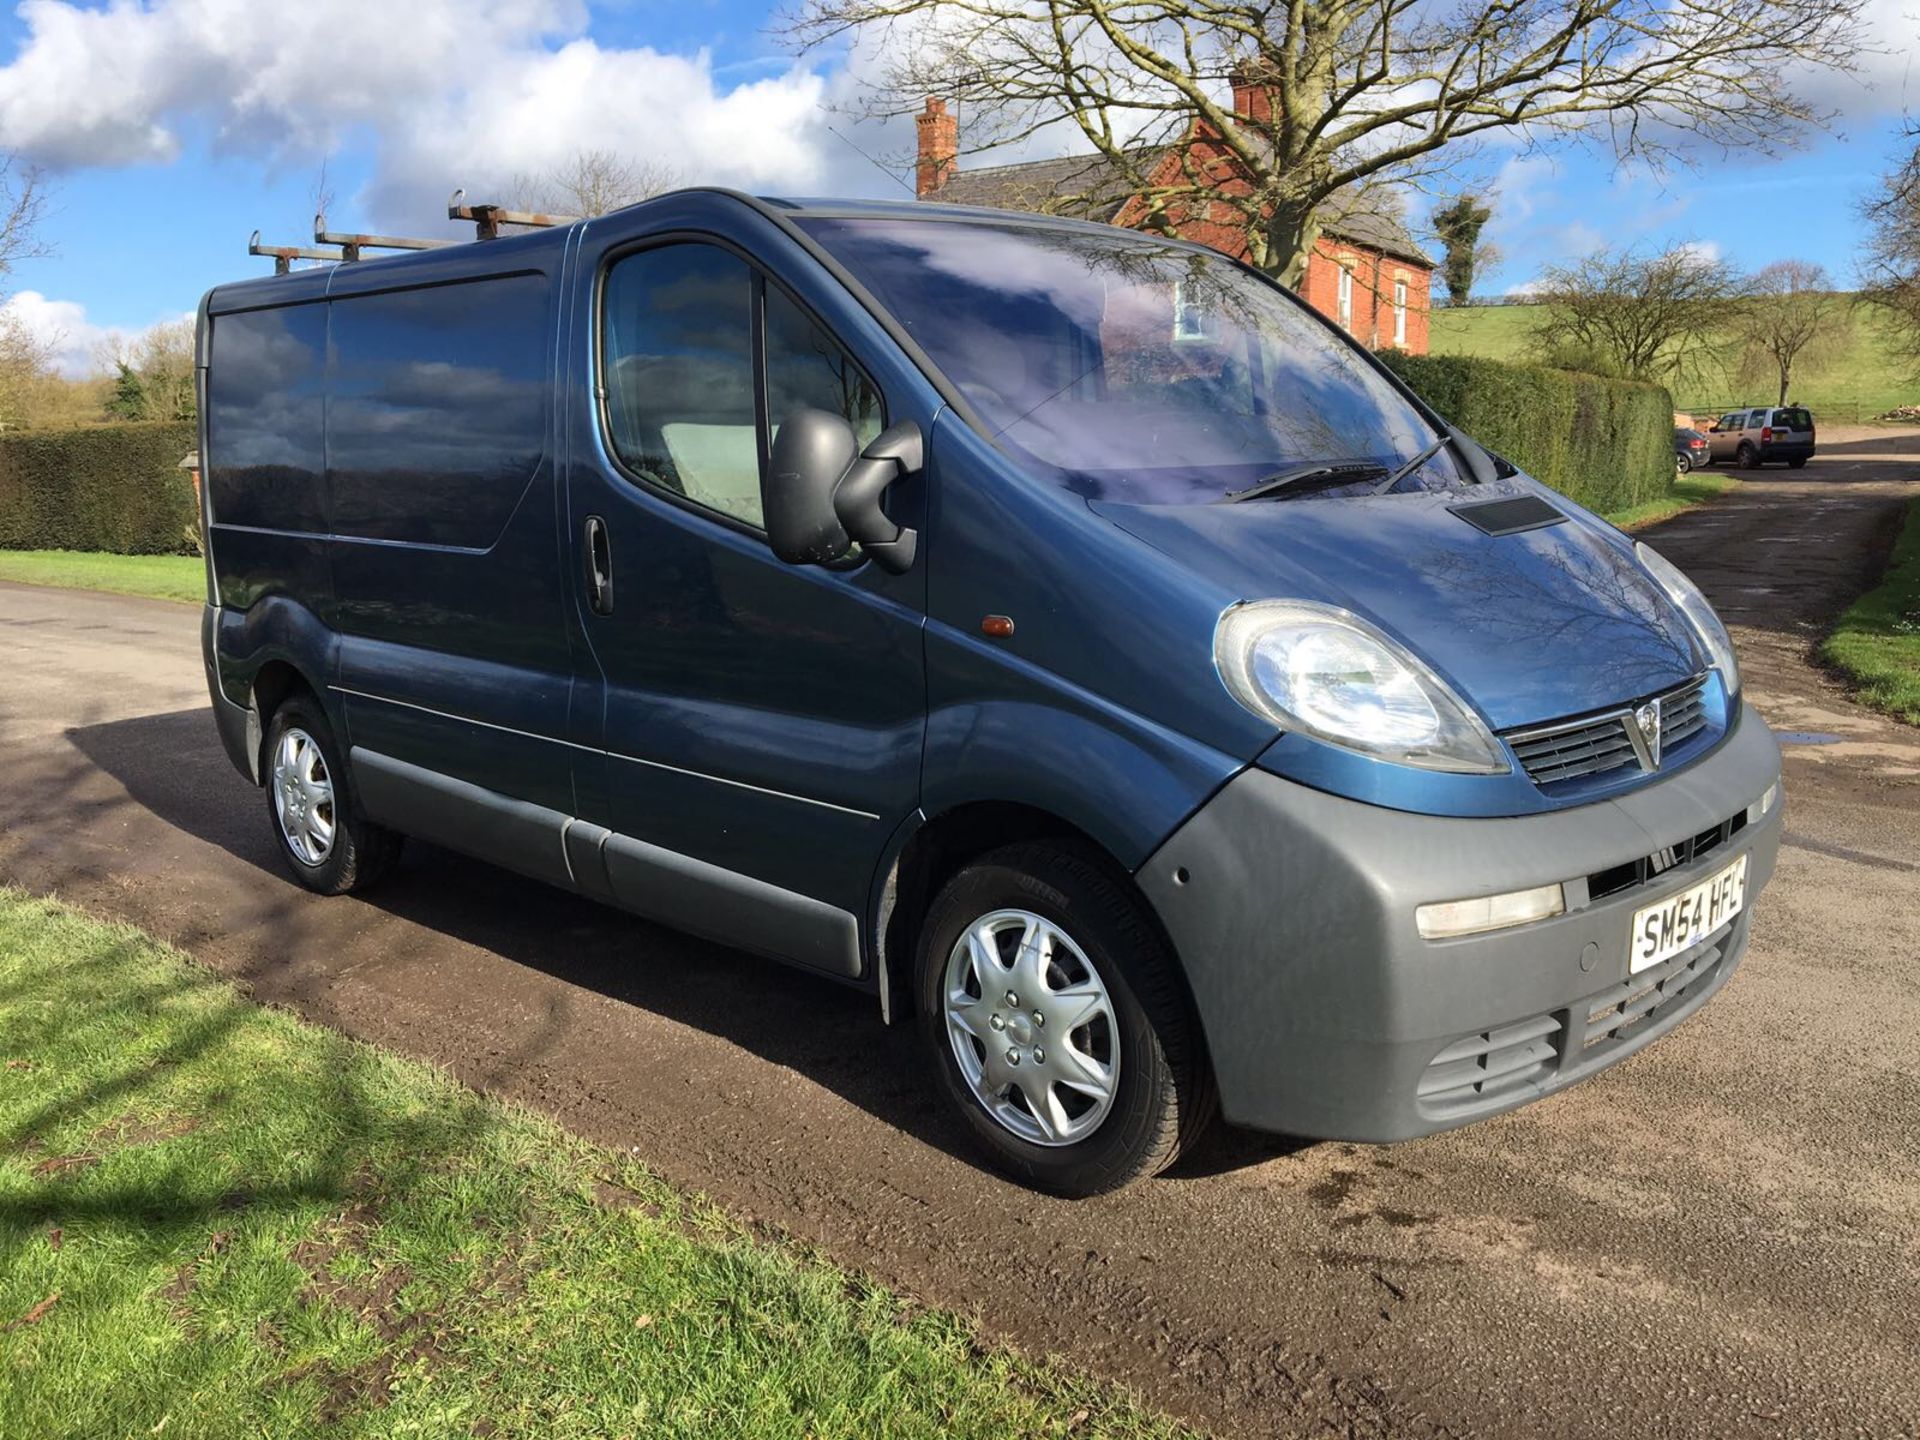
(1749, 457)
(1055, 1020)
(1683, 462)
(1797, 464)
(324, 840)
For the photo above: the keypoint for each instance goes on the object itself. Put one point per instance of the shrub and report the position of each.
(1607, 444)
(117, 488)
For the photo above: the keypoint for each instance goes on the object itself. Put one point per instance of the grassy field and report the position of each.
(1877, 642)
(1863, 379)
(161, 577)
(216, 1220)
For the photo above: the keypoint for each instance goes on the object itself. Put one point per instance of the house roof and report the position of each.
(1091, 187)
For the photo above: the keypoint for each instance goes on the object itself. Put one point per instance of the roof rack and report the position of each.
(352, 245)
(487, 219)
(344, 247)
(283, 256)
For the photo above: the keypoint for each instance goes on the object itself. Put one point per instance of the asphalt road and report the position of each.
(1719, 1237)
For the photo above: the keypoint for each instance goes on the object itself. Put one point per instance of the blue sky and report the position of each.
(172, 129)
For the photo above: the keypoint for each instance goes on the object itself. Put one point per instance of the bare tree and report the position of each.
(155, 370)
(1788, 315)
(1338, 91)
(1890, 272)
(1638, 315)
(26, 361)
(592, 182)
(23, 205)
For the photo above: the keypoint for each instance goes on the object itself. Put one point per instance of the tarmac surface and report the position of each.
(1720, 1236)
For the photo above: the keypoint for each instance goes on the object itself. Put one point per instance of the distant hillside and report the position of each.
(1864, 380)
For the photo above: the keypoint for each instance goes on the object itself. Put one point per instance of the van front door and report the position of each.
(763, 722)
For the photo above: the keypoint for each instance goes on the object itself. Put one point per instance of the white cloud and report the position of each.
(74, 343)
(456, 92)
(1704, 252)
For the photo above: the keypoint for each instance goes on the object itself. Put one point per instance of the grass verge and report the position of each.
(159, 577)
(217, 1220)
(1694, 488)
(1876, 645)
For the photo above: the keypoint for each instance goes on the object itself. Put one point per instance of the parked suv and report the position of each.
(1061, 634)
(1752, 438)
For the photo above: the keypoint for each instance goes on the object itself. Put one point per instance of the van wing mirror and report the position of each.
(896, 452)
(822, 493)
(811, 452)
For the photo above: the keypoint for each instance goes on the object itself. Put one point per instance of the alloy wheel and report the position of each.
(303, 797)
(1032, 1027)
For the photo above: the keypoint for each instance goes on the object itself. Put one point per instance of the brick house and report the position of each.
(1365, 272)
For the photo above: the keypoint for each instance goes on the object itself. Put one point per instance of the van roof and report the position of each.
(537, 249)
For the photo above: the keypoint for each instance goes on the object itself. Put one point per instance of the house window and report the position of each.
(1343, 281)
(1400, 313)
(1193, 319)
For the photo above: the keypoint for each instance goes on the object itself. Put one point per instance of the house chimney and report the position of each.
(1252, 99)
(939, 148)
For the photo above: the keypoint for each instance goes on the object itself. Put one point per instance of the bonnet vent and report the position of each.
(1509, 517)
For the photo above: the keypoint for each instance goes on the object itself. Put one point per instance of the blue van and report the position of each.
(1060, 633)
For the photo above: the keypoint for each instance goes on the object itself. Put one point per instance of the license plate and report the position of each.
(1679, 922)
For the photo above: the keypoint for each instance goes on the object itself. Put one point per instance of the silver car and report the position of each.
(1753, 438)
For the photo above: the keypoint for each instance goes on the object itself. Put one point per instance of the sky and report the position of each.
(169, 130)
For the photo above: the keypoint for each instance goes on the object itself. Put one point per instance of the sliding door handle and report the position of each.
(599, 567)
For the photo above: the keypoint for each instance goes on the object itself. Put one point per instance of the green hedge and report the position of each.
(111, 487)
(1606, 443)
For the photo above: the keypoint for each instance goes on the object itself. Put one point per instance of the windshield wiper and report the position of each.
(1412, 465)
(1315, 472)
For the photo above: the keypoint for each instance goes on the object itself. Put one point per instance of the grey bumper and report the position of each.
(1325, 1012)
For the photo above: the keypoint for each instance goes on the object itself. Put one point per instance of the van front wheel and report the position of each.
(1055, 1021)
(327, 845)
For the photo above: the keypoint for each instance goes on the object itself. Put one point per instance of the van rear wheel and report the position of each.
(1749, 457)
(327, 845)
(1055, 1022)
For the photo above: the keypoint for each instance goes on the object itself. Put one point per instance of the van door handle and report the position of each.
(599, 567)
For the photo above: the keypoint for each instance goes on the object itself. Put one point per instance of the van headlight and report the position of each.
(1329, 674)
(1706, 625)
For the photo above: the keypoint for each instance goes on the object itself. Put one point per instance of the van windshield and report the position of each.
(1128, 368)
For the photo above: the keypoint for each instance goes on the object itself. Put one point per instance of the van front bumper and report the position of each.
(1327, 1015)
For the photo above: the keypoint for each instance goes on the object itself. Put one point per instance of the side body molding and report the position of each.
(663, 885)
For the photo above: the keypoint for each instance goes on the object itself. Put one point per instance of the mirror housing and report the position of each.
(813, 450)
(821, 493)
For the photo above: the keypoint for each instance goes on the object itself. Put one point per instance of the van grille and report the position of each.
(1619, 1013)
(1615, 878)
(1491, 1064)
(1598, 744)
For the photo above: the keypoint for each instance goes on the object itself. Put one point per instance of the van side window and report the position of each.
(677, 359)
(806, 368)
(266, 396)
(437, 418)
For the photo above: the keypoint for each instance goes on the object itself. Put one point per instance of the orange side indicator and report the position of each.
(998, 626)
